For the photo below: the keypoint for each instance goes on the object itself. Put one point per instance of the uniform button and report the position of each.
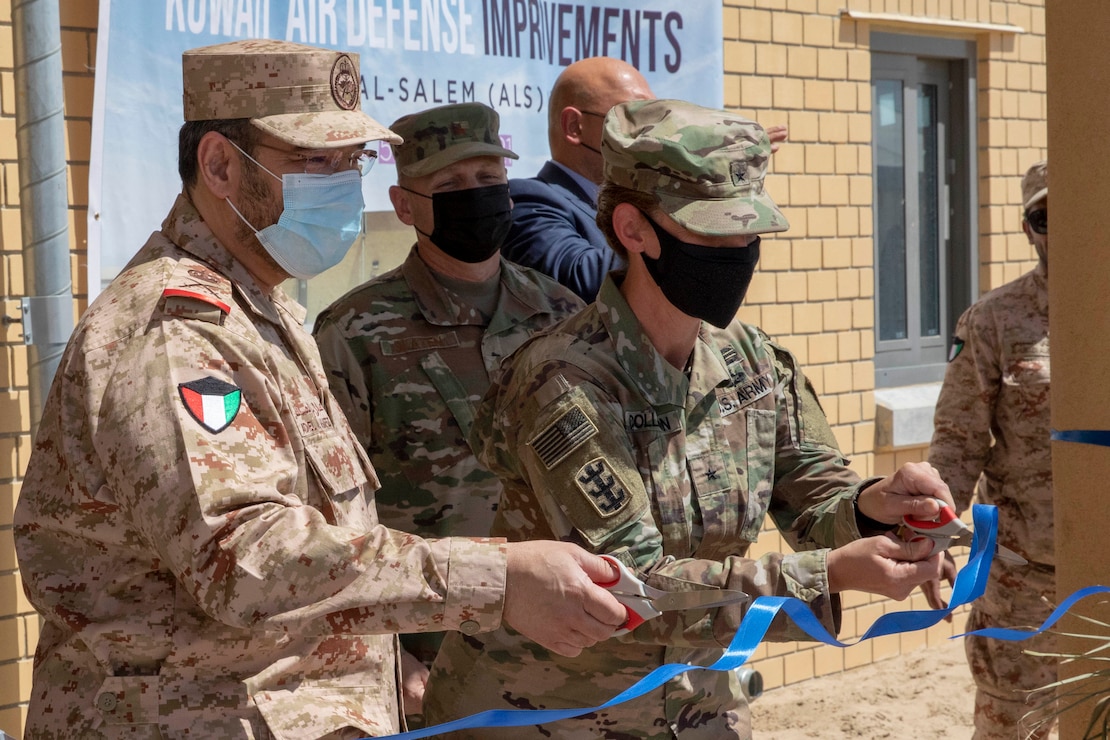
(469, 627)
(106, 701)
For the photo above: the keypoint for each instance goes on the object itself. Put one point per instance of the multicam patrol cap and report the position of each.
(306, 96)
(705, 166)
(437, 137)
(1034, 184)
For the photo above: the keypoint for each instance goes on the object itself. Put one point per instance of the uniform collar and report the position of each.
(1040, 279)
(1040, 272)
(519, 296)
(185, 228)
(660, 382)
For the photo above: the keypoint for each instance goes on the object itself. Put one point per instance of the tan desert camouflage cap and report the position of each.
(303, 95)
(437, 137)
(1034, 185)
(706, 166)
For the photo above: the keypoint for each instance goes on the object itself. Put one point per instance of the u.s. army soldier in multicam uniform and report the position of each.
(638, 430)
(197, 522)
(410, 353)
(992, 420)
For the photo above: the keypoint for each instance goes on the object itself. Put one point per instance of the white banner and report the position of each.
(415, 54)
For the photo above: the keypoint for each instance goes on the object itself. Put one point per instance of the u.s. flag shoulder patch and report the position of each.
(562, 436)
(212, 402)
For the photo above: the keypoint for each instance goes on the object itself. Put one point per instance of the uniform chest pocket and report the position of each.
(719, 498)
(337, 468)
(1029, 365)
(709, 474)
(664, 477)
(1026, 377)
(421, 422)
(758, 469)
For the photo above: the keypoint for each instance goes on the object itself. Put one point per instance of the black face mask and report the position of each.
(471, 225)
(708, 283)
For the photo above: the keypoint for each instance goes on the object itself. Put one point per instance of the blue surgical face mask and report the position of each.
(321, 219)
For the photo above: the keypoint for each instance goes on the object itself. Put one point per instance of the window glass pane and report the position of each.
(924, 194)
(928, 210)
(890, 207)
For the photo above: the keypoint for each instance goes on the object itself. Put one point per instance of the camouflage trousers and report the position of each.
(502, 670)
(245, 729)
(1018, 597)
(253, 728)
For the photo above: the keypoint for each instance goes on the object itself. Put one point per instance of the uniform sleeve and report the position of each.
(812, 502)
(962, 421)
(264, 526)
(570, 473)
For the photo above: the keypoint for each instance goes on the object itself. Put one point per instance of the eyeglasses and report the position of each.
(329, 161)
(1038, 220)
(591, 113)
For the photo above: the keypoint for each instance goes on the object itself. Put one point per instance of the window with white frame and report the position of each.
(922, 112)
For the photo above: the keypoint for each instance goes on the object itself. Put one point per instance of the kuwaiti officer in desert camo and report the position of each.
(197, 523)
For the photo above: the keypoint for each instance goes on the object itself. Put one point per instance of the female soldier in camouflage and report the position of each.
(655, 428)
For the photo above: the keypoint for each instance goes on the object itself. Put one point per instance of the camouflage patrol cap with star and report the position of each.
(705, 166)
(304, 95)
(437, 137)
(1034, 184)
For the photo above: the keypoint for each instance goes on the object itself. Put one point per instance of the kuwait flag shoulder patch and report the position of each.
(212, 402)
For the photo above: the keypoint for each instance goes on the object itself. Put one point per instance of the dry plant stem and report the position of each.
(1069, 693)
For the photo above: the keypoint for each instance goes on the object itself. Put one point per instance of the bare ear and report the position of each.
(570, 121)
(632, 228)
(401, 205)
(218, 165)
(1028, 230)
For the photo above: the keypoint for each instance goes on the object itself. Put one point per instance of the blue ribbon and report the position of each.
(970, 584)
(1099, 437)
(1011, 635)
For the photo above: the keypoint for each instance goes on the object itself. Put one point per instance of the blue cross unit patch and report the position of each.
(563, 436)
(602, 487)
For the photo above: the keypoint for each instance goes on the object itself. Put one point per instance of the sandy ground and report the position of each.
(927, 694)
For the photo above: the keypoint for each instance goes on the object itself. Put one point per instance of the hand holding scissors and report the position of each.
(948, 529)
(644, 602)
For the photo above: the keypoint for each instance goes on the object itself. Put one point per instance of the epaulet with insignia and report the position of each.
(195, 291)
(551, 390)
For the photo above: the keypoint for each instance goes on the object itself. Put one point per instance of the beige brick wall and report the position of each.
(19, 625)
(786, 61)
(797, 62)
(15, 615)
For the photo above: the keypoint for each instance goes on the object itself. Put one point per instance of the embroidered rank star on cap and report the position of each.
(705, 167)
(437, 137)
(212, 402)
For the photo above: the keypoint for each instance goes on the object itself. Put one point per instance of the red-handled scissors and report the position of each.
(948, 529)
(644, 602)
